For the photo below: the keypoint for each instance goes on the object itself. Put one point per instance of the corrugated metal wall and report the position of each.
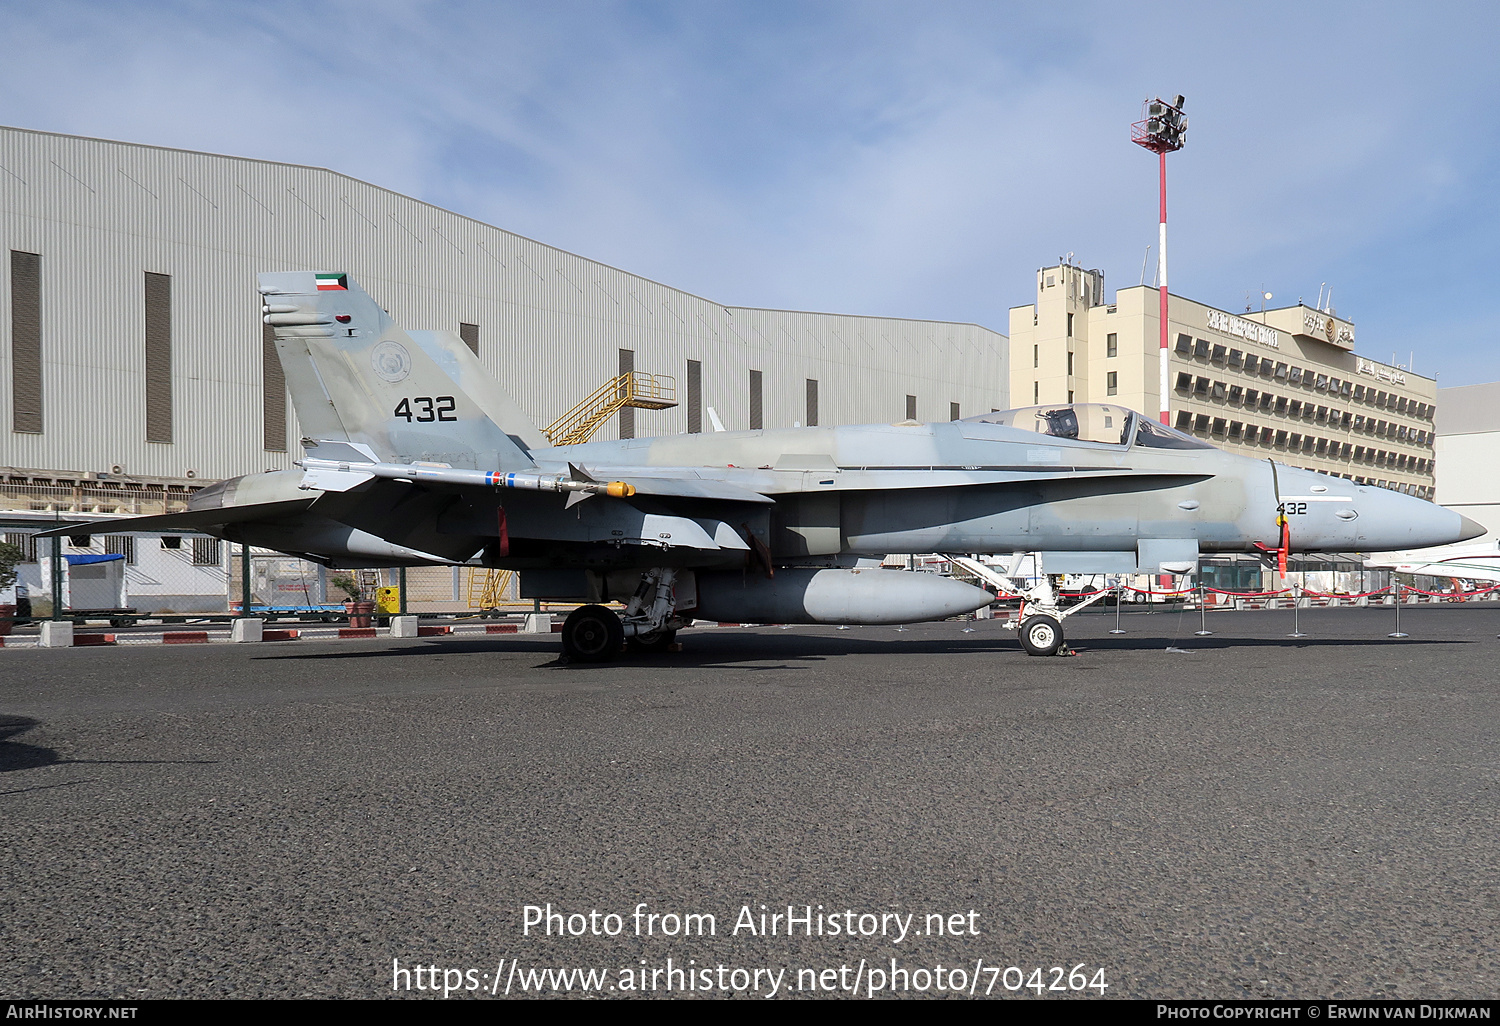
(102, 214)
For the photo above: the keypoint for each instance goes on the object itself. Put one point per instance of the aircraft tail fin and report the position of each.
(357, 377)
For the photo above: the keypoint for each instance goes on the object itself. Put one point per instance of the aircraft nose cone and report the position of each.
(1471, 529)
(1390, 520)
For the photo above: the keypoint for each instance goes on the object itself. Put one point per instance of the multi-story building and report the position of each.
(1468, 430)
(1283, 384)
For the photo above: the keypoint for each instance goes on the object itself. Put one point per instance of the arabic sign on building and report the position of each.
(1379, 370)
(1321, 325)
(1229, 324)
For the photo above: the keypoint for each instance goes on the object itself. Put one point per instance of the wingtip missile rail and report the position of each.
(338, 476)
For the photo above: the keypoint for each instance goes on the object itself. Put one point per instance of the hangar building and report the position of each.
(136, 360)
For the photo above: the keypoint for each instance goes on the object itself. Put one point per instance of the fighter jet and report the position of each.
(414, 456)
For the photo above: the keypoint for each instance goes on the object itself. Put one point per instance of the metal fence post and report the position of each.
(57, 578)
(244, 578)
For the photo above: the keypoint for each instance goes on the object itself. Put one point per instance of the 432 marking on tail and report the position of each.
(428, 409)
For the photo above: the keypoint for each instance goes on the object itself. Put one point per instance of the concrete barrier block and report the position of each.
(404, 627)
(247, 630)
(56, 634)
(538, 623)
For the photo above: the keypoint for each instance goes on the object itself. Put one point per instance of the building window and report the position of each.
(1070, 364)
(121, 545)
(1070, 325)
(1200, 422)
(1184, 345)
(1218, 427)
(206, 552)
(1219, 390)
(25, 542)
(1200, 349)
(1280, 371)
(953, 411)
(1036, 393)
(755, 401)
(1295, 377)
(1251, 433)
(1236, 359)
(695, 397)
(1322, 382)
(1036, 356)
(25, 342)
(1294, 408)
(1112, 344)
(1070, 395)
(1112, 383)
(812, 403)
(627, 415)
(911, 407)
(1236, 394)
(1219, 353)
(1184, 420)
(1252, 363)
(470, 335)
(1184, 381)
(158, 295)
(1280, 439)
(1200, 386)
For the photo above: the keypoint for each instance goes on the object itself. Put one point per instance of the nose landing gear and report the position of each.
(1039, 620)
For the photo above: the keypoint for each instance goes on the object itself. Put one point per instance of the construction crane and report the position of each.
(633, 389)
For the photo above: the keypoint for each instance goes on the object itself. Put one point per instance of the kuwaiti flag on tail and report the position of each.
(333, 283)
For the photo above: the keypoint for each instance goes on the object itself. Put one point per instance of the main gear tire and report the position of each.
(1041, 635)
(592, 634)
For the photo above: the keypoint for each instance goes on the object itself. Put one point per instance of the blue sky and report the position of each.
(912, 160)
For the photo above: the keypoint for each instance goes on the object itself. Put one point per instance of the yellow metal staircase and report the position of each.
(487, 588)
(634, 389)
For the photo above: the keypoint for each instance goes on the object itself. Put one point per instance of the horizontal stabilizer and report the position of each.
(191, 520)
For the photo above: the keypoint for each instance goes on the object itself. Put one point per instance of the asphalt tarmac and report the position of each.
(1242, 815)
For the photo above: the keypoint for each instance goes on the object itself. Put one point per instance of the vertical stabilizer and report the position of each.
(356, 377)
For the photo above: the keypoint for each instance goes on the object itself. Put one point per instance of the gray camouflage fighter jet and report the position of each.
(414, 456)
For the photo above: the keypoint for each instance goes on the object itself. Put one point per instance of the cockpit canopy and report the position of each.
(1092, 422)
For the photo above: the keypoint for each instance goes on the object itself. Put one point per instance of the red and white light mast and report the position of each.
(1161, 131)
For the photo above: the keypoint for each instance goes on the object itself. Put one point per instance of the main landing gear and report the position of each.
(595, 634)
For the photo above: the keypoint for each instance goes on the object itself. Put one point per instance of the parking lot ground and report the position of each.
(1241, 815)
